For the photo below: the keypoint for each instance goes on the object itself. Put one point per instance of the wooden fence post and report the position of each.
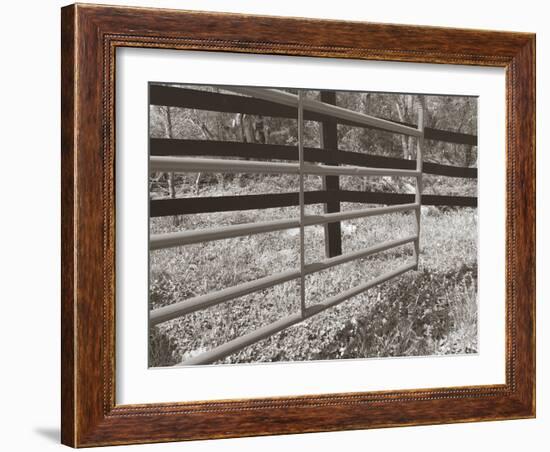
(329, 141)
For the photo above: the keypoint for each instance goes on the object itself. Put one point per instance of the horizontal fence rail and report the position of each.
(194, 205)
(178, 155)
(185, 164)
(182, 206)
(399, 198)
(326, 170)
(313, 220)
(323, 108)
(200, 302)
(258, 151)
(230, 103)
(356, 255)
(175, 239)
(269, 330)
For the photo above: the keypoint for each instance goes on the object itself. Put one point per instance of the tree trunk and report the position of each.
(209, 136)
(171, 181)
(403, 113)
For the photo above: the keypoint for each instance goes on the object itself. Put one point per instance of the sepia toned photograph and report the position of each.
(292, 225)
(276, 225)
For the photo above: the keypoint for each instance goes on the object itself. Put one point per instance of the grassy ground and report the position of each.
(425, 312)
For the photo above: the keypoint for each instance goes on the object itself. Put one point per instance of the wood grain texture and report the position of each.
(90, 35)
(68, 244)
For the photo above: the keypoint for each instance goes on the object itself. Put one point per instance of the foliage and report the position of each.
(421, 314)
(443, 293)
(162, 349)
(455, 113)
(431, 311)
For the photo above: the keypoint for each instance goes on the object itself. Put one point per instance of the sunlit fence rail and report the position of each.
(178, 155)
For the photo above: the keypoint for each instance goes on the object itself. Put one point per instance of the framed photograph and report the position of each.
(282, 225)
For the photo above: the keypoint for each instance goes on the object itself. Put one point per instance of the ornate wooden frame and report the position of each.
(90, 35)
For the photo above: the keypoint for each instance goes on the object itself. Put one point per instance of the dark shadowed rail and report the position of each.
(230, 103)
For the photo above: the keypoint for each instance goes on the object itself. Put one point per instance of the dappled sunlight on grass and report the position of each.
(432, 311)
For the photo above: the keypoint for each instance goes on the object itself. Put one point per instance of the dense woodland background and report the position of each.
(431, 311)
(453, 113)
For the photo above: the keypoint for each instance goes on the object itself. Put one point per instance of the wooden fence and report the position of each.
(178, 155)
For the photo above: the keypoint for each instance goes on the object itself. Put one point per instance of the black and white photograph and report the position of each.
(299, 225)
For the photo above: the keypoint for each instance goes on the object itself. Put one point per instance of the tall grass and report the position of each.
(425, 312)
